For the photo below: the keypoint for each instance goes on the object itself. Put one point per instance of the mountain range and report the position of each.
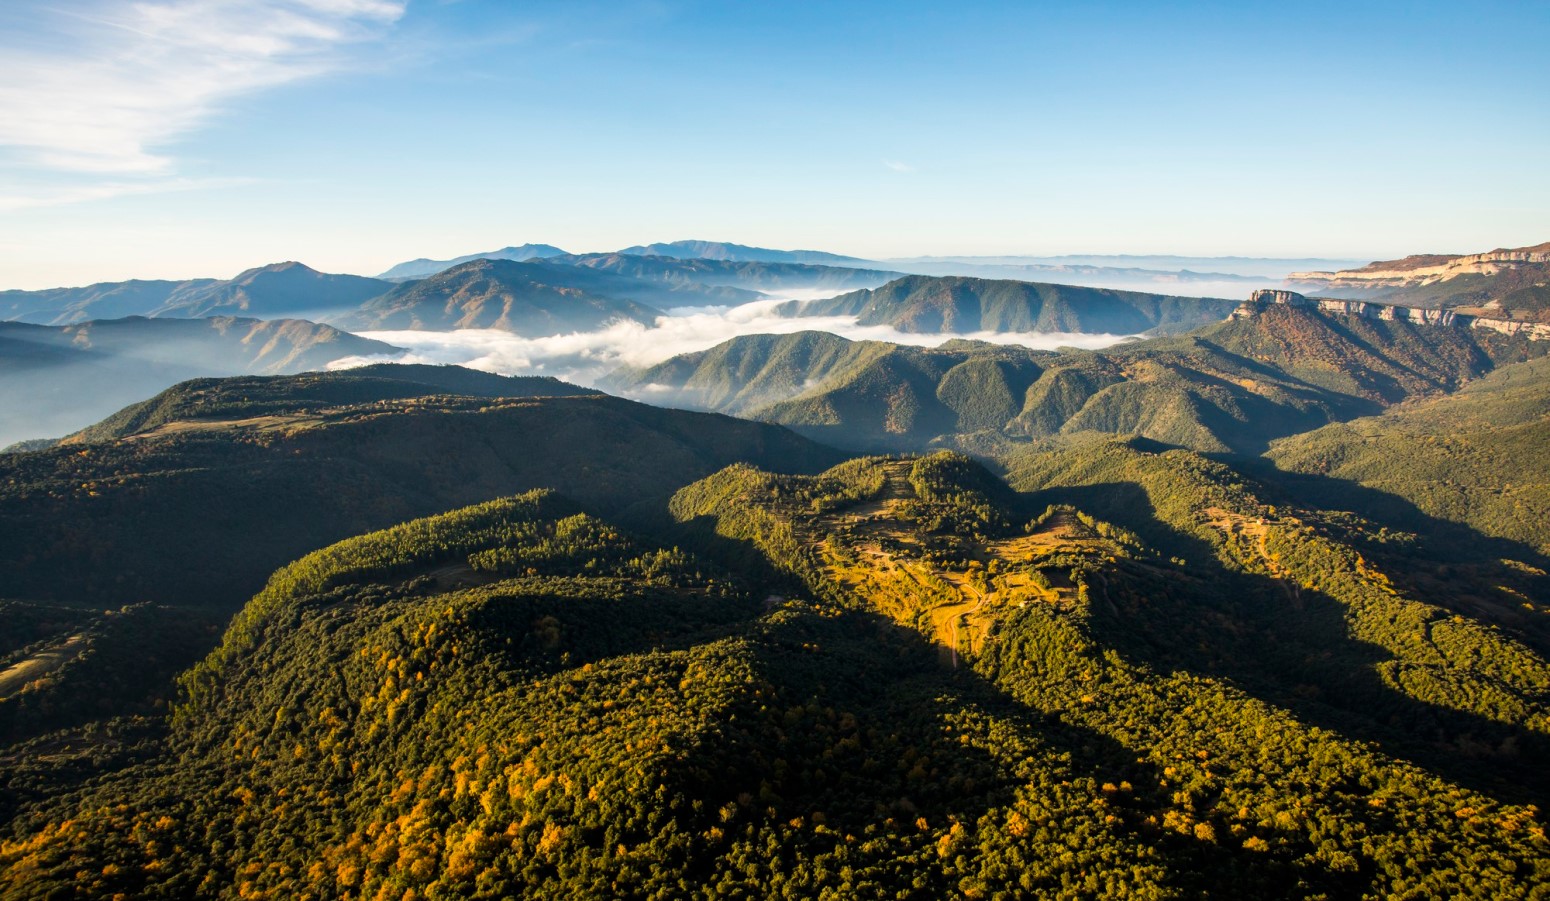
(529, 298)
(1204, 275)
(278, 290)
(1123, 666)
(540, 282)
(1233, 385)
(422, 267)
(533, 298)
(1258, 609)
(1488, 281)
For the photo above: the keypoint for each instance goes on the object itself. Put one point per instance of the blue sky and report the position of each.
(177, 138)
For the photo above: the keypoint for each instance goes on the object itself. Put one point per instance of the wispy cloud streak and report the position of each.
(97, 91)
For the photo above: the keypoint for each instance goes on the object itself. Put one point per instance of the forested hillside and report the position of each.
(173, 512)
(1480, 457)
(959, 305)
(522, 639)
(895, 679)
(218, 482)
(1236, 647)
(1230, 387)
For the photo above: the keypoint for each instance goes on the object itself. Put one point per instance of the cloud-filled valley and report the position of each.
(586, 357)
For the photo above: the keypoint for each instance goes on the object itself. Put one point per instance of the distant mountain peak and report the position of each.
(725, 250)
(287, 266)
(423, 267)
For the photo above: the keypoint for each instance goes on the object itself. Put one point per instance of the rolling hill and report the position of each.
(124, 552)
(222, 400)
(1474, 457)
(958, 305)
(55, 380)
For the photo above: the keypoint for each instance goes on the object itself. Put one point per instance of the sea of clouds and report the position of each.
(586, 357)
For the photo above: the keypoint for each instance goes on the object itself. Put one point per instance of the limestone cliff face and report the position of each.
(1538, 331)
(1425, 269)
(1257, 301)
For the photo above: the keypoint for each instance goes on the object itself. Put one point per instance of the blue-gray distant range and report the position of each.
(1197, 276)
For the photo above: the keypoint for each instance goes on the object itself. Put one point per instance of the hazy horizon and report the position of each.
(990, 266)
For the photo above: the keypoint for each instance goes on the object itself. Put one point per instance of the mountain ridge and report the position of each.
(1512, 283)
(963, 305)
(524, 297)
(725, 250)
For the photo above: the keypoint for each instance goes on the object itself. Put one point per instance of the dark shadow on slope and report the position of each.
(911, 683)
(888, 677)
(542, 631)
(1449, 564)
(1290, 646)
(1262, 421)
(1349, 406)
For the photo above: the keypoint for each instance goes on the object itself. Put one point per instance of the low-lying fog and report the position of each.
(585, 357)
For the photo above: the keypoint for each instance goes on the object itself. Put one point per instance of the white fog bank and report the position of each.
(585, 357)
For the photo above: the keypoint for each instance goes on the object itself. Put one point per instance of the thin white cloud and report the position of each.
(99, 89)
(898, 166)
(585, 357)
(27, 198)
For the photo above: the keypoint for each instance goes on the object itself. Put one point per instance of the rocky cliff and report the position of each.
(1394, 312)
(1425, 269)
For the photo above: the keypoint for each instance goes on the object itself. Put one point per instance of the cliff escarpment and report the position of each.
(1500, 284)
(1367, 309)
